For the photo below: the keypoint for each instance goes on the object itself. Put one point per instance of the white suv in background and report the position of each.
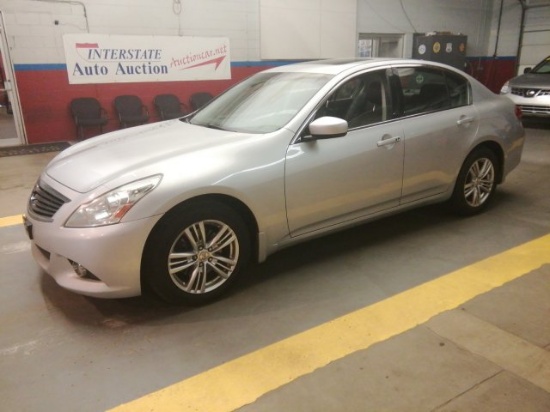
(531, 90)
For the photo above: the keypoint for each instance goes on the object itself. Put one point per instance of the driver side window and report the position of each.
(361, 101)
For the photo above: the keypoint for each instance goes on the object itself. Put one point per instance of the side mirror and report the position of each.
(527, 70)
(327, 127)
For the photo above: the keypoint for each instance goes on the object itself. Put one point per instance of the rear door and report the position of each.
(439, 123)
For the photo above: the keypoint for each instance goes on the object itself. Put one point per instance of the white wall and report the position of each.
(35, 38)
(469, 17)
(143, 17)
(510, 26)
(32, 33)
(536, 32)
(536, 37)
(307, 29)
(237, 19)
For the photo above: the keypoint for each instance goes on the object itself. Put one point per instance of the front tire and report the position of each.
(196, 252)
(476, 183)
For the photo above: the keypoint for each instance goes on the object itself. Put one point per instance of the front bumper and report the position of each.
(111, 253)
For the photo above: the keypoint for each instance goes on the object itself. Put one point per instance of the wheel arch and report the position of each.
(498, 152)
(240, 207)
(153, 282)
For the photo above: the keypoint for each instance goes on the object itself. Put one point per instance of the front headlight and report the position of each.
(111, 207)
(505, 88)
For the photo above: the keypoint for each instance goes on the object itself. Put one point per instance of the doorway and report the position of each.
(11, 126)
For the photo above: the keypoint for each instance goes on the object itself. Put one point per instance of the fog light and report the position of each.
(82, 272)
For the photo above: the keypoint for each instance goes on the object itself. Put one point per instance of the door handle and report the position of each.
(388, 141)
(464, 120)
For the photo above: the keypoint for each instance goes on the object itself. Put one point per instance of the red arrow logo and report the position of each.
(86, 45)
(217, 61)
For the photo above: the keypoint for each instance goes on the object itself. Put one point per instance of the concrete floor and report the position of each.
(64, 352)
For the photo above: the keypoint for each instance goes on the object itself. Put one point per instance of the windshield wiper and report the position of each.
(213, 126)
(208, 125)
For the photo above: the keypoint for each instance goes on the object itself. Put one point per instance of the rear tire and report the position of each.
(195, 252)
(476, 183)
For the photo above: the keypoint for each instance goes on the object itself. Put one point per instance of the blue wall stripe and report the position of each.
(491, 58)
(62, 66)
(39, 67)
(263, 63)
(270, 63)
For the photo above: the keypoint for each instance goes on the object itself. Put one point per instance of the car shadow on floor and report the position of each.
(110, 313)
(536, 123)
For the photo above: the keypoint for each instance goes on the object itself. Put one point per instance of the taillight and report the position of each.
(518, 112)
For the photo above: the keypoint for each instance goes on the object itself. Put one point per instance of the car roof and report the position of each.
(328, 66)
(337, 66)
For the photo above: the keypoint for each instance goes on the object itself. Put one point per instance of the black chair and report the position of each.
(169, 106)
(198, 100)
(131, 111)
(87, 112)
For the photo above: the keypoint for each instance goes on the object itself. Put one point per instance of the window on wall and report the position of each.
(380, 45)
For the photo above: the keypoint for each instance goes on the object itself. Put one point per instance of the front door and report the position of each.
(336, 180)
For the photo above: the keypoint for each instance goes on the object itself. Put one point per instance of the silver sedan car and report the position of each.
(288, 154)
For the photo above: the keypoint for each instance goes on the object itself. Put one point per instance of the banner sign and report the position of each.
(103, 58)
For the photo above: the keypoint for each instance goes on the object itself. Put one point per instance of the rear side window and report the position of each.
(459, 90)
(425, 90)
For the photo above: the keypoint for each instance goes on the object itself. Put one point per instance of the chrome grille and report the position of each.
(45, 202)
(535, 110)
(530, 92)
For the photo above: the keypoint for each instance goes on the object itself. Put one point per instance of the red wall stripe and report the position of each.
(493, 73)
(45, 97)
(45, 94)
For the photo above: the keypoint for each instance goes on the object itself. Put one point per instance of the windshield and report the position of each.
(263, 103)
(543, 67)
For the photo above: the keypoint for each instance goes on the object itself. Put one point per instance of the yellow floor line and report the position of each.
(243, 380)
(11, 220)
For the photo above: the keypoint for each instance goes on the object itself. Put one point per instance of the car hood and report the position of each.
(94, 162)
(531, 80)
